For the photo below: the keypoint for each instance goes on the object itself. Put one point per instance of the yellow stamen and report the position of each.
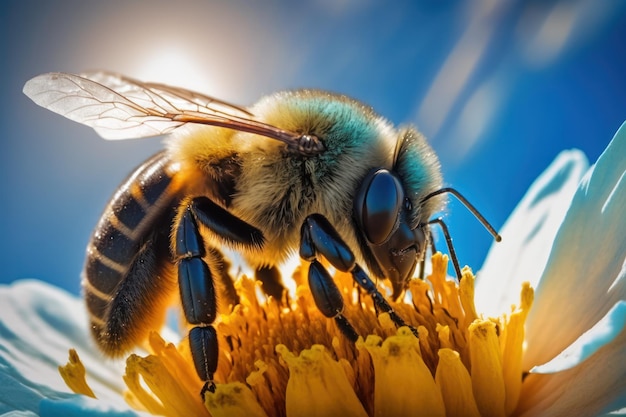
(318, 385)
(455, 384)
(466, 296)
(404, 384)
(487, 377)
(512, 350)
(233, 400)
(138, 396)
(174, 390)
(287, 359)
(73, 373)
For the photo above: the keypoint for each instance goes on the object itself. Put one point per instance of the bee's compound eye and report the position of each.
(384, 197)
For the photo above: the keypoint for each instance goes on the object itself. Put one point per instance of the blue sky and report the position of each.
(499, 88)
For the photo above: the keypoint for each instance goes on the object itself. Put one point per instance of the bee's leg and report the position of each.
(196, 277)
(433, 250)
(234, 232)
(319, 236)
(271, 281)
(228, 296)
(328, 298)
(197, 293)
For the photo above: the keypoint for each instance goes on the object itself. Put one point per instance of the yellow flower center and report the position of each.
(286, 358)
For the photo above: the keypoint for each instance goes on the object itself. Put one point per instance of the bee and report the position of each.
(301, 171)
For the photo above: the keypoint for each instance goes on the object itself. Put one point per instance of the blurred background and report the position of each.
(498, 87)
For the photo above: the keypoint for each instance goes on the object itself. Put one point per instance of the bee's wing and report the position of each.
(118, 107)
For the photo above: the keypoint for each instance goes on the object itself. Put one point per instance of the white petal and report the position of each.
(620, 412)
(38, 324)
(604, 331)
(528, 234)
(585, 275)
(596, 386)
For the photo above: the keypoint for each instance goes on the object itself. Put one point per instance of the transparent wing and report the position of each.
(114, 108)
(119, 107)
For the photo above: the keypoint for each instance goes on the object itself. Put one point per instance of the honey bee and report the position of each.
(305, 170)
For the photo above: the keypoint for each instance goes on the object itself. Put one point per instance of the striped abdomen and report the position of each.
(128, 273)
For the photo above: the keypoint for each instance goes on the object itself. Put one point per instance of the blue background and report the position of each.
(499, 88)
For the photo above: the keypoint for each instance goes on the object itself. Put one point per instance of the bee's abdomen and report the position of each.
(128, 250)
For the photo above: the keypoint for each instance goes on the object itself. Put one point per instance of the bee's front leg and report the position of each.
(319, 236)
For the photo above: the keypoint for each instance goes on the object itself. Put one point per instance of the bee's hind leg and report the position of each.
(197, 279)
(318, 236)
(198, 297)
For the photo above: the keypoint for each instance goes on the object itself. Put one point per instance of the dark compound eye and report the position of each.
(381, 206)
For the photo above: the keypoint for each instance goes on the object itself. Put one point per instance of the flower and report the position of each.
(575, 338)
(568, 343)
(295, 362)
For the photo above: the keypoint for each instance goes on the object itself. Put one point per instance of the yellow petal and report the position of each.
(233, 400)
(73, 373)
(318, 385)
(403, 383)
(486, 359)
(455, 384)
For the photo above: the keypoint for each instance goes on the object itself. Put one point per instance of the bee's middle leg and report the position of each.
(318, 236)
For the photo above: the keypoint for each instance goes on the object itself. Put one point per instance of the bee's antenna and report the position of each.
(444, 228)
(469, 206)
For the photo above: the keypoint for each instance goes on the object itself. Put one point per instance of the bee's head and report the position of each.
(391, 214)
